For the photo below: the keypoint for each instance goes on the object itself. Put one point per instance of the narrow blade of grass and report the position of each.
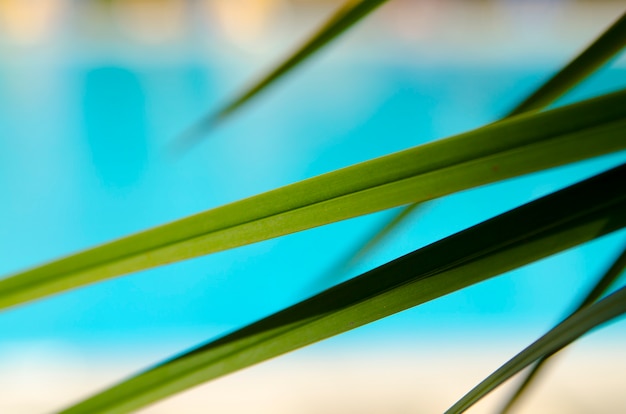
(564, 219)
(605, 47)
(347, 15)
(562, 335)
(600, 288)
(517, 146)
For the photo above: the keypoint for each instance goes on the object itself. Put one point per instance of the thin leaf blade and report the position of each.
(560, 336)
(604, 48)
(603, 284)
(345, 17)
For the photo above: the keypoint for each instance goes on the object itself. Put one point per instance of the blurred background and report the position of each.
(93, 92)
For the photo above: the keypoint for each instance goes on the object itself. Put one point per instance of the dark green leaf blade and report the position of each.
(347, 15)
(600, 288)
(507, 149)
(562, 335)
(605, 47)
(569, 217)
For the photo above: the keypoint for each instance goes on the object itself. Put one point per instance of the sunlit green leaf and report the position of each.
(510, 148)
(577, 214)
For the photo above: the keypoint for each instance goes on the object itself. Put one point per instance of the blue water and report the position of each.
(82, 161)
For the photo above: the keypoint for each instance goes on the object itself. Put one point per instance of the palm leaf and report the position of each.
(517, 146)
(571, 216)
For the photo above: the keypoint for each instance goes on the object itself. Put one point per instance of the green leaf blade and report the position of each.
(546, 226)
(507, 149)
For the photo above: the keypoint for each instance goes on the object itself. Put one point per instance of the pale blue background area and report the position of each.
(82, 161)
